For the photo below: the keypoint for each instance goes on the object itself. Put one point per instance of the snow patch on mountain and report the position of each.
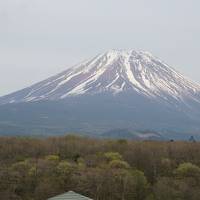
(114, 72)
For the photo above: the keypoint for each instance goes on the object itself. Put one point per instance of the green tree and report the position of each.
(188, 170)
(110, 156)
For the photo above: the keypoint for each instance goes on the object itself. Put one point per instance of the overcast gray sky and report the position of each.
(39, 38)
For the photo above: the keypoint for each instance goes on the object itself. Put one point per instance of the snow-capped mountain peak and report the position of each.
(114, 72)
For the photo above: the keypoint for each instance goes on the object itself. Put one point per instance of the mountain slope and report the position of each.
(124, 90)
(113, 72)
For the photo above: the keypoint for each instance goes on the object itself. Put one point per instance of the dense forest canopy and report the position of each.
(35, 169)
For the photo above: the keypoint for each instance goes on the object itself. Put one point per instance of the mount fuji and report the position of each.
(115, 91)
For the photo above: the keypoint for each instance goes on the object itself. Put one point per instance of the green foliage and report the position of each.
(140, 184)
(36, 169)
(53, 158)
(119, 164)
(188, 170)
(64, 168)
(110, 156)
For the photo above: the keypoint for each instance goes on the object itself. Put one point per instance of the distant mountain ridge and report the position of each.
(125, 90)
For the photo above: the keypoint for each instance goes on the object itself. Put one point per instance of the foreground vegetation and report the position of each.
(35, 169)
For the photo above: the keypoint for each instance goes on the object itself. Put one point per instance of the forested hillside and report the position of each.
(35, 169)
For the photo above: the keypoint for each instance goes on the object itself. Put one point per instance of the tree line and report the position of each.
(36, 169)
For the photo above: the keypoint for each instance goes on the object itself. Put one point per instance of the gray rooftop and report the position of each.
(70, 196)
